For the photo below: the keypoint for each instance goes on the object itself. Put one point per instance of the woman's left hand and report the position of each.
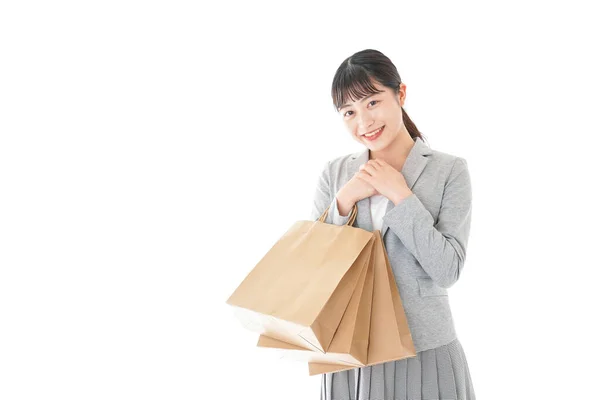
(385, 179)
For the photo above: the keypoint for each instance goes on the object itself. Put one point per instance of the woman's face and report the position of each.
(379, 110)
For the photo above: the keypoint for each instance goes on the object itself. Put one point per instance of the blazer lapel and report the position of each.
(411, 170)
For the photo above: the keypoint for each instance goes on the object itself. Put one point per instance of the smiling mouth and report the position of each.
(373, 133)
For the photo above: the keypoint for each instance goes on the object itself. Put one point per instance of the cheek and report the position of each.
(382, 115)
(351, 127)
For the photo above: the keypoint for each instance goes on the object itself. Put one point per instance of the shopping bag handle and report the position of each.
(351, 220)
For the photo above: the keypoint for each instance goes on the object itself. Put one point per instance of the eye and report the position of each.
(372, 101)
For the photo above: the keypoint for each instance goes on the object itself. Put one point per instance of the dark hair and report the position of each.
(353, 80)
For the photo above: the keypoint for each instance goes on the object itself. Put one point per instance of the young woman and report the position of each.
(420, 200)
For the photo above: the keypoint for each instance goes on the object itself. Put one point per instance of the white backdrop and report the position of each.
(152, 152)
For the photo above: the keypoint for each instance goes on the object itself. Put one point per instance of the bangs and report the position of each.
(351, 84)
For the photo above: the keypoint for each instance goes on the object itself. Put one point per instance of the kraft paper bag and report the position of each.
(351, 339)
(389, 337)
(389, 334)
(300, 289)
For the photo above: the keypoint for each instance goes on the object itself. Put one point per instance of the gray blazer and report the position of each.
(427, 245)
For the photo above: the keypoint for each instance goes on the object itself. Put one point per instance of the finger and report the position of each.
(364, 176)
(375, 164)
(370, 168)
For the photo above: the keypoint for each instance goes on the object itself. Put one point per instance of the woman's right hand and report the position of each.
(353, 191)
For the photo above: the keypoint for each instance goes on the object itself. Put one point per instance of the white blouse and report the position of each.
(379, 205)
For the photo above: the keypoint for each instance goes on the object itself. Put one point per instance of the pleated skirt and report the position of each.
(436, 374)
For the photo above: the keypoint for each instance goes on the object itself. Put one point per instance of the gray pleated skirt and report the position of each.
(436, 374)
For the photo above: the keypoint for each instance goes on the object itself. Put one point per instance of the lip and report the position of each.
(373, 130)
(372, 138)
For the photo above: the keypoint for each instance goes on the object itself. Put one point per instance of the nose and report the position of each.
(364, 122)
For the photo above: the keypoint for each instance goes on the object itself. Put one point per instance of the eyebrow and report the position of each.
(348, 105)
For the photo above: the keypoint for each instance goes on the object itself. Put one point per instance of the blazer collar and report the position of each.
(411, 170)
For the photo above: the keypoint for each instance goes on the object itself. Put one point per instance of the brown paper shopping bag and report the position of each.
(299, 291)
(389, 333)
(389, 337)
(351, 339)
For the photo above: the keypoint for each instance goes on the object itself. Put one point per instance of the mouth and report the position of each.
(373, 134)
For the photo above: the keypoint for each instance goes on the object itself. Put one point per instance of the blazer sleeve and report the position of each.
(440, 249)
(323, 198)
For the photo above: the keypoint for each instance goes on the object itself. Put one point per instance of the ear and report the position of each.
(402, 94)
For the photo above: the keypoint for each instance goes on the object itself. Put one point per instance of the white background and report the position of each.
(152, 152)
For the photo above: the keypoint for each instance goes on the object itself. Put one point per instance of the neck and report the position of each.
(395, 154)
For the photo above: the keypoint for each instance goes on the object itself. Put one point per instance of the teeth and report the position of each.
(374, 133)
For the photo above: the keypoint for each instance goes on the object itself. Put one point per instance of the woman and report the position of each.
(420, 200)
